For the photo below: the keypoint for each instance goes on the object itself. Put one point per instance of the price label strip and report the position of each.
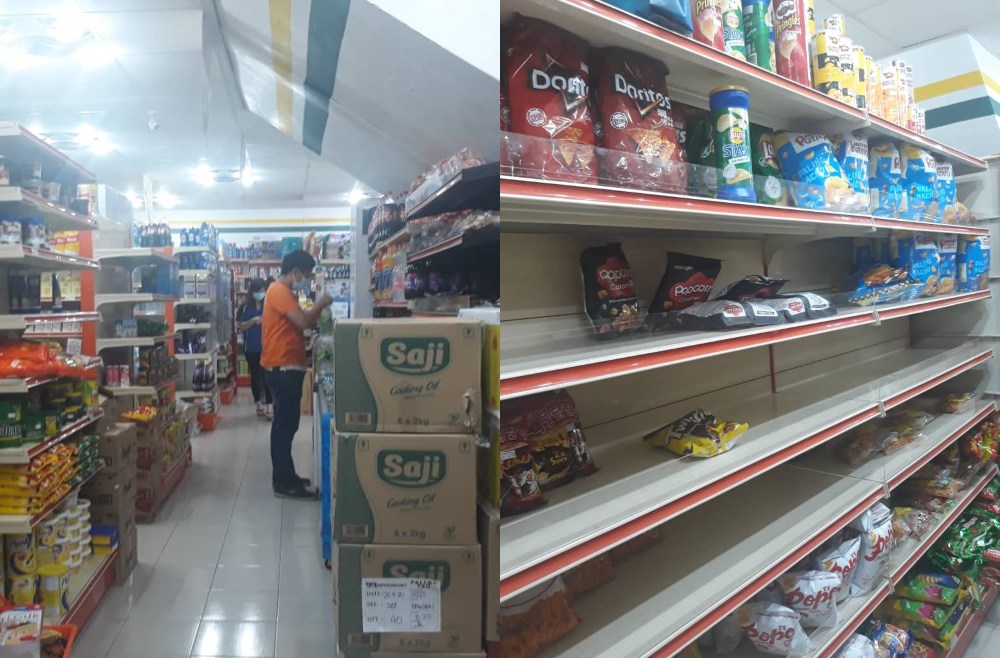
(401, 605)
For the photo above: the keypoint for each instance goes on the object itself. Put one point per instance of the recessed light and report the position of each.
(203, 175)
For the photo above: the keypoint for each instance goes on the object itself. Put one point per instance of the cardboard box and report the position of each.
(488, 460)
(128, 549)
(111, 411)
(488, 525)
(118, 447)
(458, 568)
(409, 376)
(148, 454)
(110, 502)
(491, 353)
(405, 489)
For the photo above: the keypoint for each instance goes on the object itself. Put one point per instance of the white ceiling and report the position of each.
(160, 67)
(887, 27)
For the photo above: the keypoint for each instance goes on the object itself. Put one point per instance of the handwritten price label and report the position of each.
(401, 605)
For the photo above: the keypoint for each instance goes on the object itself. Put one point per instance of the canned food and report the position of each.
(791, 41)
(874, 87)
(811, 16)
(732, 29)
(19, 550)
(61, 550)
(848, 78)
(890, 95)
(757, 32)
(861, 77)
(22, 590)
(54, 583)
(826, 63)
(731, 133)
(836, 23)
(707, 23)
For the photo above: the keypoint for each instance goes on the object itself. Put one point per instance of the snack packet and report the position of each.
(719, 314)
(536, 619)
(857, 646)
(818, 181)
(917, 253)
(688, 280)
(920, 611)
(609, 291)
(701, 153)
(885, 180)
(728, 634)
(841, 559)
(750, 287)
(938, 588)
(959, 403)
(520, 490)
(698, 434)
(919, 176)
(945, 192)
(554, 437)
(875, 526)
(762, 315)
(973, 262)
(851, 150)
(768, 182)
(813, 595)
(791, 307)
(890, 641)
(773, 629)
(817, 306)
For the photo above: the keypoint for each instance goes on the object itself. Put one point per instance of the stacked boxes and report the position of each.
(160, 447)
(112, 495)
(404, 465)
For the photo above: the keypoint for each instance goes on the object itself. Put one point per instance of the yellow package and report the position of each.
(698, 434)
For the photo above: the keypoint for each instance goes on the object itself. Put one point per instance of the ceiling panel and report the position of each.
(149, 31)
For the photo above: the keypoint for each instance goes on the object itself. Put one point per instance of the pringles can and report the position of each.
(861, 76)
(811, 16)
(848, 78)
(757, 33)
(732, 29)
(791, 41)
(835, 23)
(826, 63)
(707, 23)
(731, 133)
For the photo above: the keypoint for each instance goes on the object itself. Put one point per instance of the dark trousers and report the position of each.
(286, 387)
(259, 387)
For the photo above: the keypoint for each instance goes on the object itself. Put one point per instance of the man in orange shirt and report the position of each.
(283, 359)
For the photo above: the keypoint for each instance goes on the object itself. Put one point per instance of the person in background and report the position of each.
(248, 320)
(284, 362)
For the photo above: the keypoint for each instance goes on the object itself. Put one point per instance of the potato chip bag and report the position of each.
(852, 154)
(817, 179)
(773, 629)
(701, 152)
(973, 262)
(768, 183)
(875, 526)
(884, 180)
(918, 254)
(698, 434)
(812, 594)
(919, 175)
(945, 191)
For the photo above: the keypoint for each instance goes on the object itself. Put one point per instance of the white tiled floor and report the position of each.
(225, 562)
(986, 644)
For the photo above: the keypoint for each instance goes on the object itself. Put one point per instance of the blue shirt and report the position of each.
(252, 342)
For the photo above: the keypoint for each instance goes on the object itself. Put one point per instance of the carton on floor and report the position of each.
(458, 568)
(405, 489)
(419, 376)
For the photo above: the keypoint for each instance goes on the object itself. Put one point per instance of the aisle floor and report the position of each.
(986, 643)
(225, 562)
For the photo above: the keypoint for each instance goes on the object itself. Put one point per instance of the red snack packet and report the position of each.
(791, 40)
(640, 144)
(520, 489)
(706, 18)
(549, 86)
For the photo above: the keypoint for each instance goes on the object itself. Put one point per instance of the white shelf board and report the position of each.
(14, 322)
(131, 298)
(550, 353)
(335, 261)
(20, 145)
(28, 204)
(639, 486)
(198, 394)
(194, 250)
(14, 385)
(134, 257)
(200, 356)
(120, 391)
(711, 561)
(186, 326)
(133, 341)
(42, 259)
(195, 300)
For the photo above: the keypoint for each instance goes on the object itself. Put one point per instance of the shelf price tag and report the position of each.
(74, 346)
(401, 605)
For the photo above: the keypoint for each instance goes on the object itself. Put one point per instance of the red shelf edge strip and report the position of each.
(90, 597)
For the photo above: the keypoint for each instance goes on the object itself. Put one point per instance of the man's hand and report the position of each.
(324, 300)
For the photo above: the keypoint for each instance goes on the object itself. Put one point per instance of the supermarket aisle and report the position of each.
(224, 562)
(986, 644)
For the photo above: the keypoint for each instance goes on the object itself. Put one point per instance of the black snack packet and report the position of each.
(750, 287)
(688, 280)
(762, 315)
(791, 307)
(816, 305)
(609, 291)
(719, 314)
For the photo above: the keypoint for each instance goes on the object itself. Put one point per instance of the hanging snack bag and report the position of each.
(918, 180)
(773, 629)
(768, 182)
(812, 594)
(697, 434)
(701, 153)
(817, 179)
(640, 144)
(707, 23)
(549, 85)
(852, 154)
(752, 286)
(731, 120)
(885, 180)
(688, 280)
(791, 40)
(917, 253)
(841, 559)
(973, 262)
(858, 646)
(609, 292)
(520, 490)
(732, 29)
(674, 15)
(707, 316)
(875, 526)
(555, 438)
(948, 252)
(945, 191)
(757, 32)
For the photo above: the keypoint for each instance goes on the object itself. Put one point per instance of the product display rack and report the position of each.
(209, 399)
(87, 587)
(750, 514)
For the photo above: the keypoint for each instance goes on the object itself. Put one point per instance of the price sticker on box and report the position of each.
(401, 605)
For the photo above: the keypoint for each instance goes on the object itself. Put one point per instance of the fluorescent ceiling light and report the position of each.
(96, 55)
(133, 198)
(165, 199)
(69, 25)
(248, 177)
(203, 175)
(355, 195)
(90, 138)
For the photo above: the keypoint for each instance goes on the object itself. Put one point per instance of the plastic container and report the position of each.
(731, 132)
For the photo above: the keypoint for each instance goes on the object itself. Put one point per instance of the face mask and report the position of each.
(259, 296)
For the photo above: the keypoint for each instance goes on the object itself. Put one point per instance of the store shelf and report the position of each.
(196, 274)
(198, 394)
(24, 454)
(119, 391)
(402, 235)
(639, 488)
(133, 341)
(531, 205)
(28, 204)
(88, 586)
(13, 322)
(23, 523)
(336, 261)
(15, 385)
(199, 356)
(132, 298)
(45, 260)
(391, 304)
(192, 326)
(197, 249)
(968, 629)
(195, 300)
(19, 145)
(547, 354)
(465, 240)
(135, 257)
(475, 187)
(696, 69)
